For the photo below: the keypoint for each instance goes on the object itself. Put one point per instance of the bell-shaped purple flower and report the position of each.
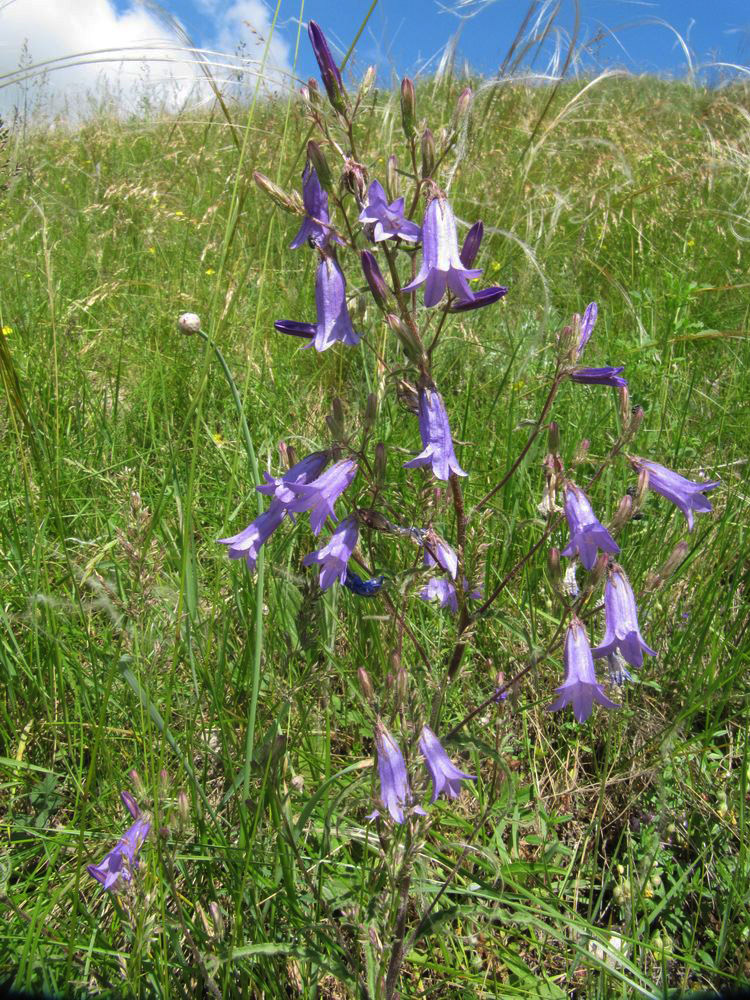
(622, 633)
(599, 376)
(119, 863)
(395, 790)
(247, 544)
(579, 687)
(315, 226)
(320, 495)
(588, 322)
(484, 297)
(387, 221)
(437, 552)
(334, 323)
(444, 591)
(436, 437)
(334, 556)
(360, 587)
(329, 71)
(294, 329)
(444, 774)
(472, 243)
(305, 471)
(587, 533)
(441, 264)
(684, 493)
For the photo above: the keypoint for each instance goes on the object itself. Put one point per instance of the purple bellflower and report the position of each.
(437, 552)
(484, 297)
(247, 544)
(588, 322)
(295, 329)
(329, 71)
(579, 687)
(315, 226)
(334, 323)
(599, 376)
(305, 471)
(320, 495)
(622, 634)
(436, 437)
(395, 791)
(438, 588)
(119, 863)
(387, 221)
(684, 493)
(360, 587)
(444, 774)
(472, 243)
(587, 533)
(441, 263)
(334, 556)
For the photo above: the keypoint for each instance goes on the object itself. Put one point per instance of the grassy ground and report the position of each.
(615, 860)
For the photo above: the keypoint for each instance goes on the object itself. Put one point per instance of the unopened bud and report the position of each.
(674, 560)
(367, 81)
(600, 568)
(379, 465)
(463, 105)
(472, 243)
(402, 685)
(164, 781)
(335, 420)
(355, 178)
(640, 490)
(183, 807)
(406, 338)
(316, 157)
(553, 438)
(408, 107)
(625, 411)
(567, 341)
(189, 323)
(623, 514)
(635, 421)
(137, 783)
(365, 686)
(130, 804)
(392, 185)
(278, 196)
(555, 568)
(582, 452)
(371, 411)
(375, 280)
(313, 91)
(204, 920)
(428, 153)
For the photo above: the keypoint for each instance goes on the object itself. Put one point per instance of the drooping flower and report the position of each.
(441, 263)
(618, 672)
(579, 687)
(315, 226)
(622, 633)
(588, 322)
(437, 552)
(484, 297)
(684, 493)
(295, 329)
(119, 863)
(387, 221)
(334, 556)
(444, 774)
(304, 471)
(599, 376)
(360, 587)
(395, 791)
(334, 323)
(329, 71)
(320, 495)
(247, 544)
(436, 437)
(444, 591)
(587, 533)
(472, 243)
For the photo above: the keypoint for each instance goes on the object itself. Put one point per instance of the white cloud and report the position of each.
(146, 58)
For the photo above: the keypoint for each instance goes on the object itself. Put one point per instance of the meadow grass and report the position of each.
(614, 861)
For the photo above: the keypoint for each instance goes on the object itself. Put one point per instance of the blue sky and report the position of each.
(403, 35)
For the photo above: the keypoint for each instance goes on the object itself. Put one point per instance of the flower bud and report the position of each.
(335, 420)
(371, 411)
(555, 568)
(164, 781)
(183, 807)
(553, 438)
(408, 107)
(411, 347)
(640, 491)
(625, 411)
(189, 323)
(635, 421)
(623, 514)
(130, 804)
(313, 91)
(674, 560)
(319, 162)
(380, 291)
(365, 685)
(367, 81)
(277, 195)
(582, 452)
(472, 243)
(137, 783)
(379, 465)
(597, 573)
(463, 106)
(428, 153)
(392, 185)
(355, 178)
(401, 686)
(329, 71)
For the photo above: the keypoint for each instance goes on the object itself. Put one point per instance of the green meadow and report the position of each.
(608, 859)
